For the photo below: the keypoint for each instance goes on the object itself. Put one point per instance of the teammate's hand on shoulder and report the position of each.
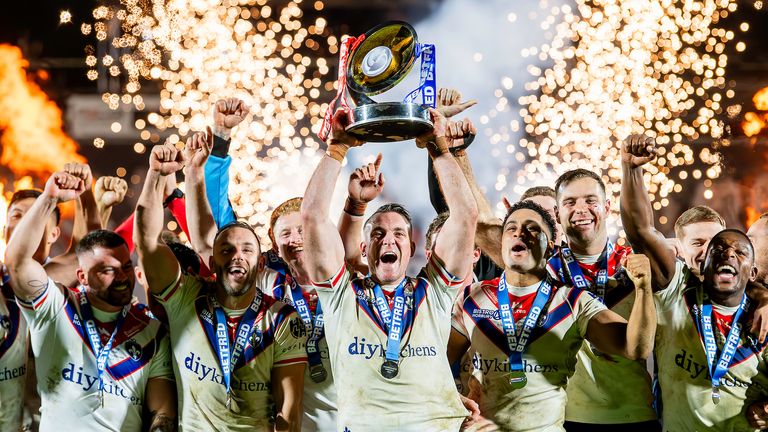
(638, 149)
(757, 415)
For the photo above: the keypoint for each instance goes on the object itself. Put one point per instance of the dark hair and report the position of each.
(185, 256)
(576, 174)
(530, 205)
(23, 194)
(538, 191)
(392, 208)
(435, 226)
(99, 238)
(237, 224)
(695, 215)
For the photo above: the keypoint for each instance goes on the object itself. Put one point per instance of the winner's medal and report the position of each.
(716, 395)
(517, 379)
(389, 369)
(318, 373)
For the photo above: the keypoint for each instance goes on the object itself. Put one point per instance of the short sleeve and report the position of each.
(446, 285)
(45, 307)
(331, 291)
(290, 339)
(587, 307)
(161, 366)
(668, 296)
(179, 293)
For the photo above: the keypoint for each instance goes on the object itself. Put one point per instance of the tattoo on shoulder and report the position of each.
(37, 286)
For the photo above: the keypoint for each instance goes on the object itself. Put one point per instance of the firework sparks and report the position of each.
(622, 67)
(201, 50)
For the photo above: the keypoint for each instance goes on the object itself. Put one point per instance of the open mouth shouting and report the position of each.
(121, 287)
(725, 274)
(388, 257)
(237, 273)
(518, 249)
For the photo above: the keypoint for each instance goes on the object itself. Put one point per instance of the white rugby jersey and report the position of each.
(66, 366)
(319, 402)
(686, 390)
(608, 389)
(423, 396)
(278, 340)
(14, 342)
(548, 360)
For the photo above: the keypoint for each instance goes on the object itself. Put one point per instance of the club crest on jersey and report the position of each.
(256, 338)
(298, 328)
(134, 349)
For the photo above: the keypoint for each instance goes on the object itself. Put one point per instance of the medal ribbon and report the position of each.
(245, 330)
(347, 45)
(427, 85)
(704, 326)
(316, 331)
(101, 352)
(518, 342)
(395, 318)
(577, 275)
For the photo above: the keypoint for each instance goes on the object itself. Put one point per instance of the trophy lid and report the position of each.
(383, 58)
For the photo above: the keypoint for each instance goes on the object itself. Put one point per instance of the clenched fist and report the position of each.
(637, 150)
(166, 159)
(109, 191)
(228, 113)
(63, 186)
(638, 268)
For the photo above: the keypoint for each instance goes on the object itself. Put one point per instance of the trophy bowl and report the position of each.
(382, 57)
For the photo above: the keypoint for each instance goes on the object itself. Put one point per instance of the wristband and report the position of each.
(177, 193)
(354, 207)
(337, 151)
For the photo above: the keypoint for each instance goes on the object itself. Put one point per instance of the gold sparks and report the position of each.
(621, 67)
(270, 56)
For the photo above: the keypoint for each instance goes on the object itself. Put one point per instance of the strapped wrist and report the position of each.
(354, 207)
(337, 151)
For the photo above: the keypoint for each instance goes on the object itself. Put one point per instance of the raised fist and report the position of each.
(166, 159)
(228, 113)
(81, 171)
(63, 186)
(449, 102)
(366, 182)
(637, 150)
(197, 149)
(638, 268)
(457, 131)
(109, 191)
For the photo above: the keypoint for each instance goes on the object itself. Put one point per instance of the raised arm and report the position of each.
(611, 334)
(637, 213)
(202, 228)
(365, 184)
(227, 113)
(456, 241)
(322, 243)
(28, 277)
(159, 263)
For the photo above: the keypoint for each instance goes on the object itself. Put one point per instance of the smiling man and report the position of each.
(711, 373)
(100, 359)
(388, 331)
(527, 329)
(606, 392)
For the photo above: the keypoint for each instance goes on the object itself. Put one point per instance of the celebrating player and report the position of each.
(388, 332)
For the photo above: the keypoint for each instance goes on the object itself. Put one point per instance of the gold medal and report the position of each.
(517, 379)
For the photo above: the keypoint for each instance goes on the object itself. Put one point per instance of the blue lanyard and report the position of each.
(518, 342)
(719, 367)
(245, 329)
(577, 275)
(394, 319)
(101, 352)
(427, 84)
(316, 331)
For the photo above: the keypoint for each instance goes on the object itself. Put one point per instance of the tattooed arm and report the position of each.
(161, 403)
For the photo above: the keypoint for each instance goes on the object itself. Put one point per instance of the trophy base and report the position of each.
(389, 122)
